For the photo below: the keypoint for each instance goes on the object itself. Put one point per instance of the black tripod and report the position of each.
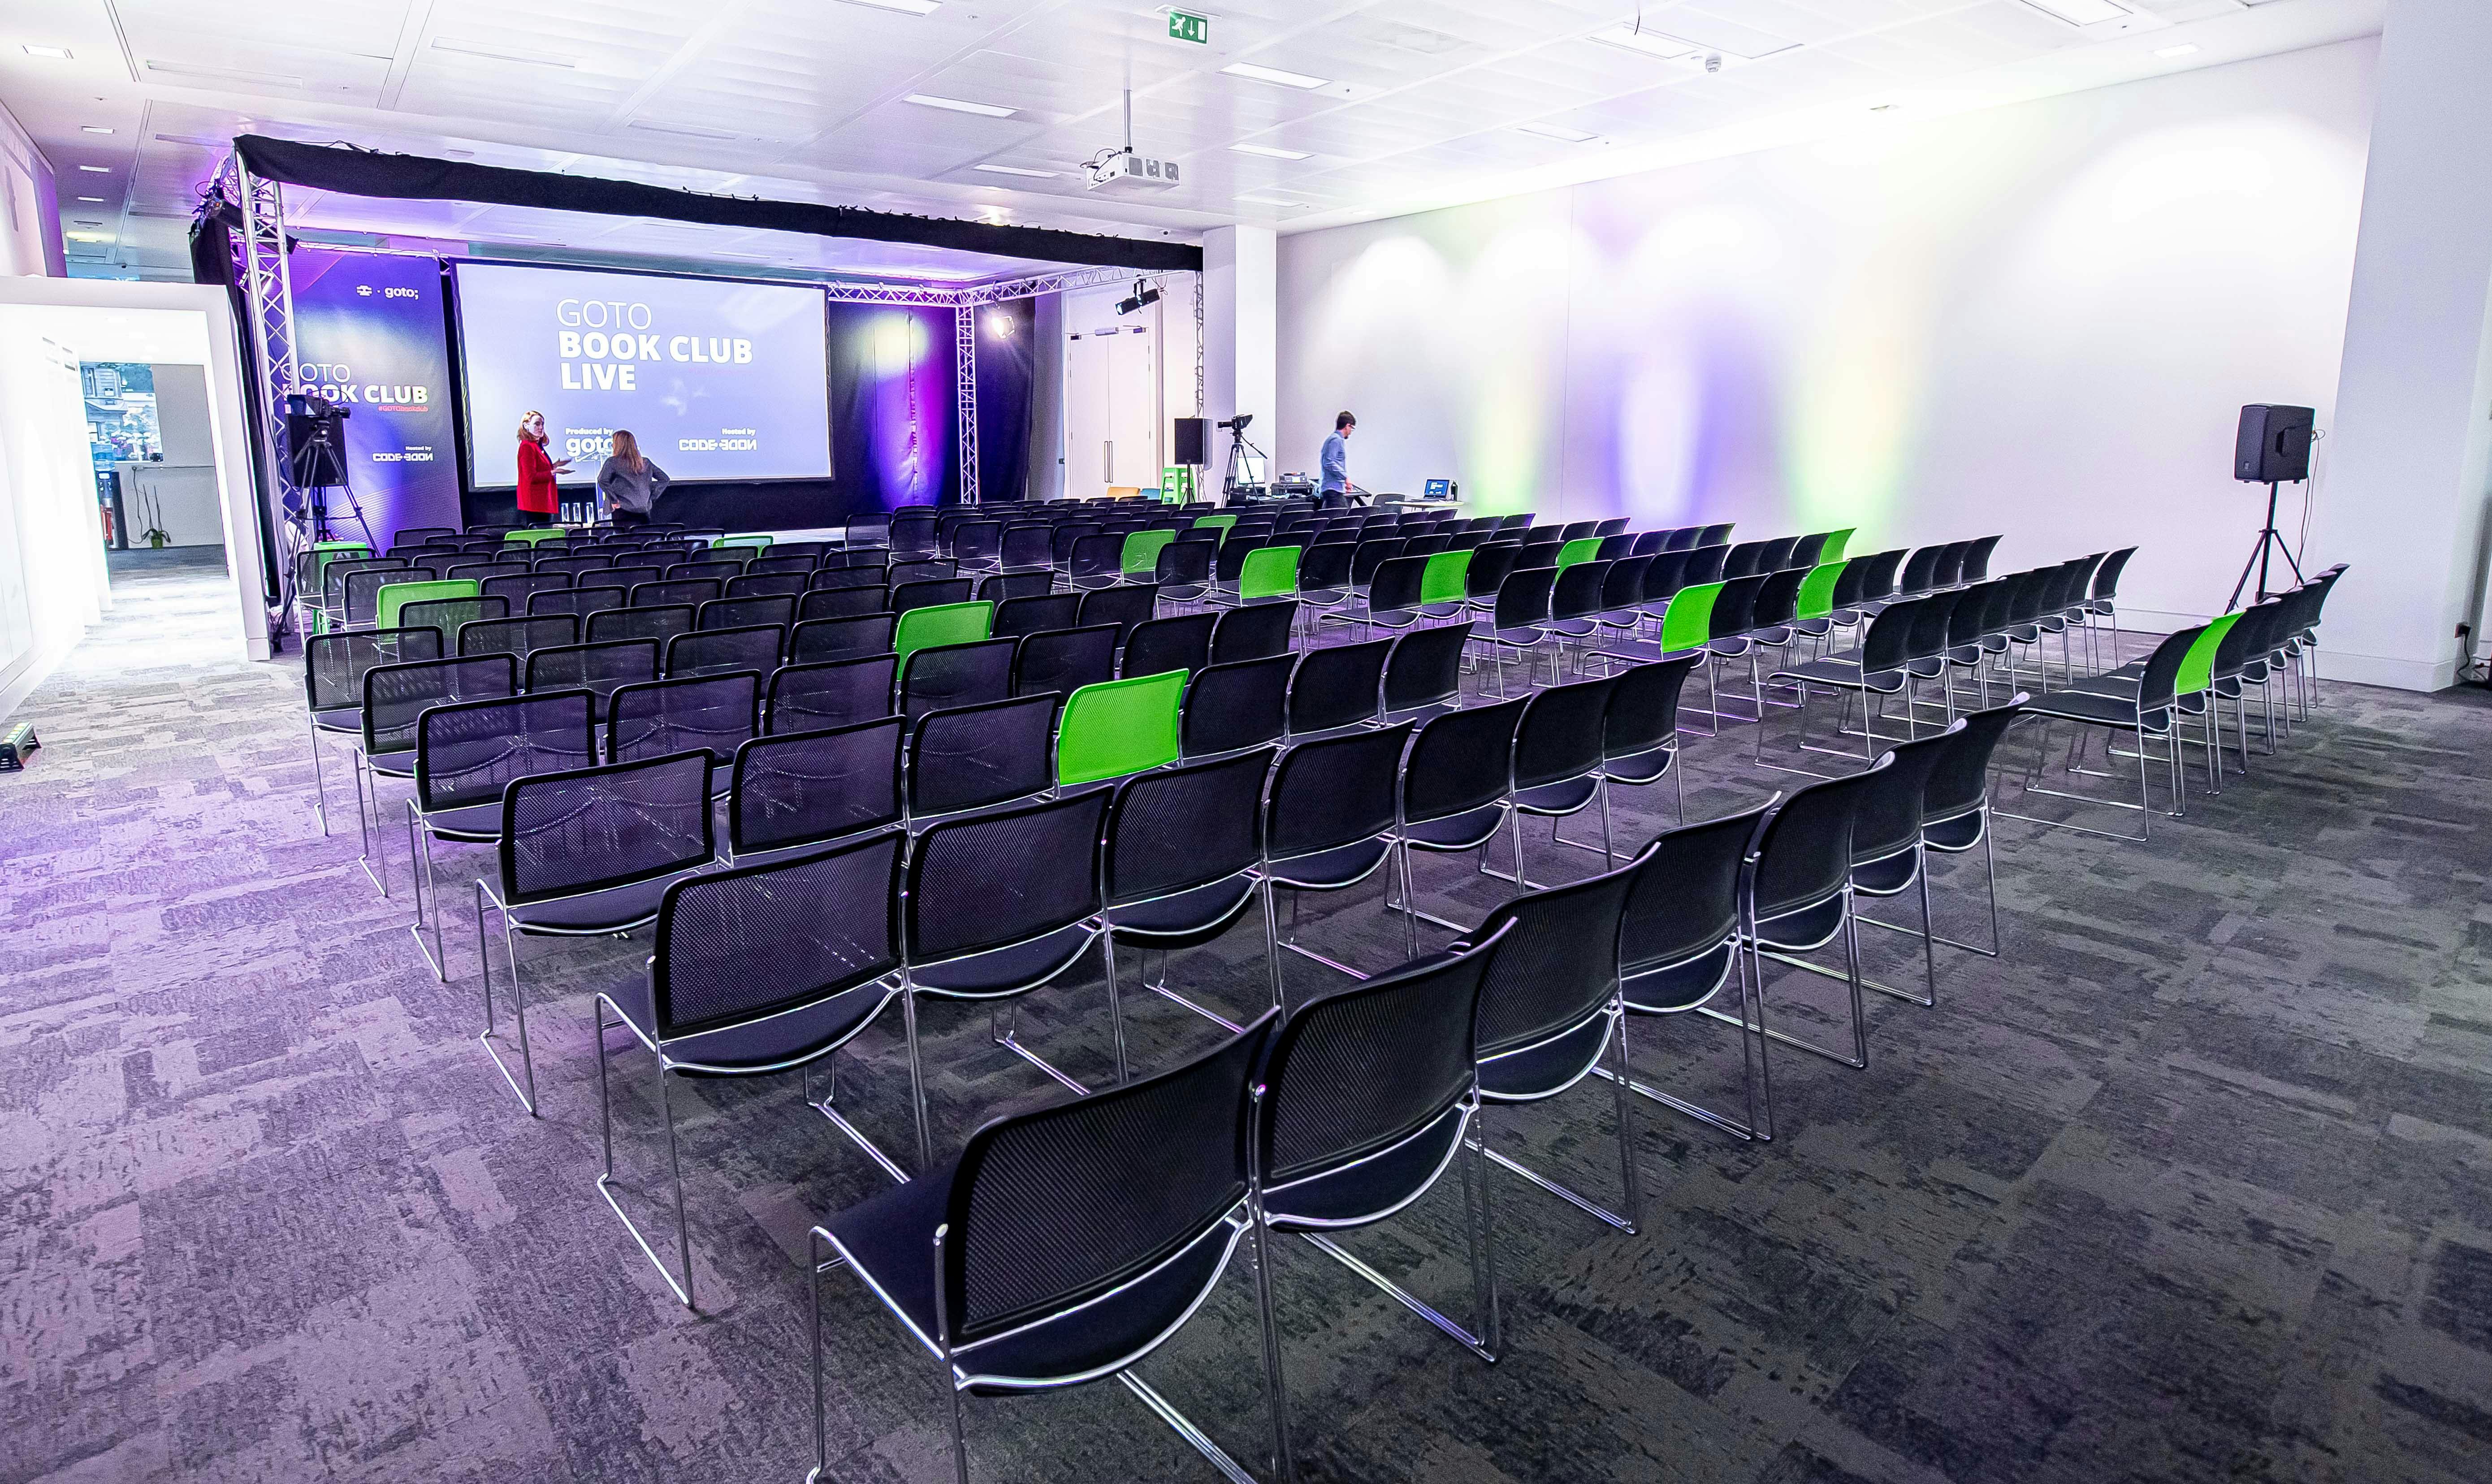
(319, 466)
(2258, 555)
(1231, 485)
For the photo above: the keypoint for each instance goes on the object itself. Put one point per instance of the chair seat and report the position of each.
(397, 764)
(1731, 648)
(1368, 1189)
(1843, 672)
(1547, 1069)
(1884, 877)
(1562, 797)
(1814, 628)
(1516, 638)
(1452, 609)
(1650, 766)
(1573, 628)
(1464, 831)
(770, 1044)
(1007, 971)
(1331, 870)
(889, 1237)
(1669, 988)
(611, 911)
(1813, 926)
(1773, 636)
(1961, 832)
(1196, 916)
(473, 824)
(2100, 710)
(346, 719)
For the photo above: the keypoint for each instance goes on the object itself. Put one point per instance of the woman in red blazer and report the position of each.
(538, 501)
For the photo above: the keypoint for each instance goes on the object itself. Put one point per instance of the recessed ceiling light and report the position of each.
(1287, 79)
(92, 200)
(56, 53)
(2176, 53)
(958, 105)
(225, 73)
(1651, 43)
(1014, 169)
(688, 130)
(495, 53)
(100, 129)
(192, 138)
(1271, 200)
(2081, 12)
(1558, 131)
(89, 236)
(97, 169)
(905, 7)
(1269, 152)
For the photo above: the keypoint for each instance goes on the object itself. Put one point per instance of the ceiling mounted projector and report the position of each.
(1123, 170)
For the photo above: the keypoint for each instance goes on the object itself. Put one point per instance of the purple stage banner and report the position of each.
(369, 336)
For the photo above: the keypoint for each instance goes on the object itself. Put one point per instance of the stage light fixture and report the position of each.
(1269, 152)
(958, 105)
(1144, 295)
(2082, 13)
(1651, 43)
(1274, 75)
(56, 53)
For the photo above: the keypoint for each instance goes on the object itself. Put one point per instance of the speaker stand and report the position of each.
(2258, 556)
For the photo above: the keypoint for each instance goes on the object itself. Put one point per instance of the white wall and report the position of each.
(30, 207)
(2040, 321)
(52, 582)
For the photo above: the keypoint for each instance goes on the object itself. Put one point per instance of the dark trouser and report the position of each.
(623, 517)
(536, 518)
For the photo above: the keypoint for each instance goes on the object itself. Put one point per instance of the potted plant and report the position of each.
(154, 535)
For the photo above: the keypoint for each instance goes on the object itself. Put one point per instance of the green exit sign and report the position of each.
(1183, 27)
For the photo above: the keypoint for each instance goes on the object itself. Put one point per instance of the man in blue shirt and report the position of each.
(1336, 456)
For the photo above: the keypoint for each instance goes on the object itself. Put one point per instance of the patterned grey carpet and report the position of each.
(2196, 1183)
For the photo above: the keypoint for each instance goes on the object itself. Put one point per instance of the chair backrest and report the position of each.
(599, 669)
(832, 693)
(467, 751)
(397, 696)
(1557, 968)
(950, 623)
(1704, 564)
(1688, 622)
(718, 651)
(1490, 565)
(519, 636)
(978, 541)
(333, 665)
(1183, 561)
(786, 586)
(1623, 587)
(1976, 560)
(653, 623)
(451, 614)
(1643, 706)
(2107, 575)
(1434, 541)
(1173, 829)
(847, 576)
(1806, 551)
(590, 830)
(1017, 616)
(841, 639)
(1372, 552)
(1577, 593)
(1271, 572)
(1877, 575)
(1777, 600)
(1028, 545)
(938, 677)
(975, 756)
(1461, 762)
(912, 531)
(1930, 616)
(1960, 784)
(1119, 726)
(701, 570)
(1339, 686)
(714, 713)
(1888, 642)
(1253, 632)
(804, 787)
(924, 569)
(1393, 587)
(1239, 705)
(666, 594)
(1887, 815)
(2196, 671)
(579, 601)
(1744, 559)
(390, 598)
(1522, 598)
(1333, 791)
(1667, 575)
(1097, 554)
(1949, 570)
(1325, 565)
(1127, 607)
(1685, 899)
(1920, 570)
(971, 884)
(1062, 661)
(1802, 856)
(1365, 1069)
(1820, 590)
(1579, 548)
(1425, 668)
(1562, 733)
(931, 592)
(736, 946)
(1109, 1188)
(1182, 642)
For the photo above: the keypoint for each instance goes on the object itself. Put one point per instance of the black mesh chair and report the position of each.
(1026, 548)
(1004, 586)
(1019, 616)
(659, 624)
(688, 593)
(449, 615)
(1064, 660)
(922, 570)
(1873, 671)
(1559, 749)
(1183, 857)
(911, 533)
(1097, 560)
(798, 789)
(1182, 571)
(714, 714)
(1128, 606)
(1549, 1011)
(779, 612)
(518, 589)
(1640, 737)
(623, 576)
(832, 693)
(933, 592)
(395, 697)
(464, 753)
(841, 639)
(587, 853)
(1329, 823)
(1365, 1099)
(1240, 704)
(1887, 860)
(1679, 943)
(719, 571)
(975, 757)
(769, 574)
(1254, 632)
(723, 651)
(1517, 625)
(977, 546)
(1456, 789)
(1162, 644)
(1423, 676)
(1063, 1245)
(843, 603)
(2152, 709)
(579, 601)
(980, 923)
(334, 666)
(839, 578)
(941, 676)
(481, 573)
(866, 531)
(518, 638)
(1337, 688)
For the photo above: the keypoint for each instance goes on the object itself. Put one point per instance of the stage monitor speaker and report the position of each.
(2274, 446)
(1193, 441)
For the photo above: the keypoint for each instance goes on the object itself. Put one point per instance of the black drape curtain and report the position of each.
(1007, 358)
(212, 262)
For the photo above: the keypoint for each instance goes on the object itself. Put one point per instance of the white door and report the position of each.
(1111, 408)
(1086, 356)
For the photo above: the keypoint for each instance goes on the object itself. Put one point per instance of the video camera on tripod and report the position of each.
(1244, 477)
(315, 462)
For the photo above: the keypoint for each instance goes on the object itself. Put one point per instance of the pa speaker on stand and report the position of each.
(2271, 448)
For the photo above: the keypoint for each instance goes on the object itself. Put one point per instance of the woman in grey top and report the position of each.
(632, 482)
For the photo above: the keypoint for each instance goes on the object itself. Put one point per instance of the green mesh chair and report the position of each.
(759, 542)
(1835, 542)
(1220, 523)
(1119, 726)
(945, 623)
(1688, 622)
(530, 535)
(397, 595)
(1581, 549)
(1271, 572)
(1141, 556)
(1444, 585)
